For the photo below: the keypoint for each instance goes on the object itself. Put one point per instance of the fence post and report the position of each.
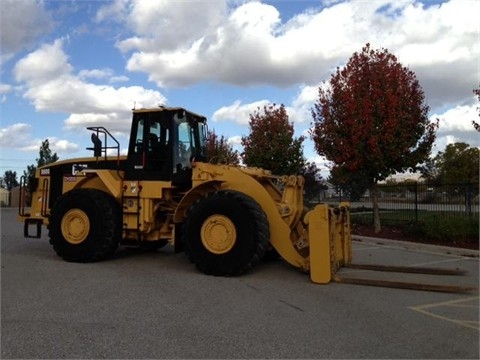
(416, 202)
(469, 193)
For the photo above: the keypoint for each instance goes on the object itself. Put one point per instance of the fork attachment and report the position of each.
(404, 285)
(407, 269)
(331, 250)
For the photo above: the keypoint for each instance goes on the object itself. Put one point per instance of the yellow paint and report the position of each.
(319, 236)
(330, 241)
(472, 324)
(75, 226)
(111, 180)
(218, 234)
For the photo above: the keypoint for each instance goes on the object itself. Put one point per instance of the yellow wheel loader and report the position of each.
(225, 218)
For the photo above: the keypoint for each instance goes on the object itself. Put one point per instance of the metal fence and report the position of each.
(413, 201)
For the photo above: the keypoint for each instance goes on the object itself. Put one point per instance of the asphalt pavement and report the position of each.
(156, 305)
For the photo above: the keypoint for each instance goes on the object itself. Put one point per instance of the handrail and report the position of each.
(44, 207)
(104, 145)
(21, 197)
(104, 148)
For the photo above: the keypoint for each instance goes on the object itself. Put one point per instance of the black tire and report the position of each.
(271, 254)
(85, 226)
(153, 245)
(244, 227)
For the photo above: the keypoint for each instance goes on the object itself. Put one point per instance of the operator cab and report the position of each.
(163, 144)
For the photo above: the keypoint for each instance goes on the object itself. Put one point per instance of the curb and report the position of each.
(417, 246)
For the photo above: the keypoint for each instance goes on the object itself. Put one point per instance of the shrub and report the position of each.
(454, 229)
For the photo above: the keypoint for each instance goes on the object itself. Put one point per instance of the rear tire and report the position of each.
(226, 233)
(85, 226)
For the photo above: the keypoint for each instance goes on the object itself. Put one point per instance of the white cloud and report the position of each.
(456, 126)
(299, 111)
(439, 34)
(167, 25)
(19, 137)
(238, 112)
(51, 86)
(47, 63)
(322, 163)
(22, 22)
(5, 88)
(250, 44)
(116, 10)
(117, 79)
(62, 146)
(15, 135)
(95, 74)
(458, 118)
(235, 141)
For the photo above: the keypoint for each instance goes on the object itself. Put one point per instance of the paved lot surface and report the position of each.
(156, 305)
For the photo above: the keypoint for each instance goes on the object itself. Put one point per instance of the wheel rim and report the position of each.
(218, 234)
(75, 226)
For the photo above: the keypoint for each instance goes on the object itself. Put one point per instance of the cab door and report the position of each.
(150, 150)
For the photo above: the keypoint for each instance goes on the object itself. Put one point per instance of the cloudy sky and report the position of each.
(65, 65)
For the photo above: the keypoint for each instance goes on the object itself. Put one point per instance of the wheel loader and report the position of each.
(165, 191)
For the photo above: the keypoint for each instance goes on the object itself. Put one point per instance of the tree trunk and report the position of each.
(376, 212)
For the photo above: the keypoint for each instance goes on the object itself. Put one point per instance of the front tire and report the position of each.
(226, 233)
(85, 226)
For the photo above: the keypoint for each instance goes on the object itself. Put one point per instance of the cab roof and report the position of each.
(168, 109)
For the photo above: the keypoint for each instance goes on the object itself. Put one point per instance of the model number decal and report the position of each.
(44, 172)
(69, 178)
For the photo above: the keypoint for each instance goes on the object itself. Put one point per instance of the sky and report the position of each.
(66, 65)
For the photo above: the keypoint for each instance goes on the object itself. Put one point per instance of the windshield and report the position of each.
(201, 154)
(190, 146)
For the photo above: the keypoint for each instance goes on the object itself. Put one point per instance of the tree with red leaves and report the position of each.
(219, 150)
(271, 144)
(373, 119)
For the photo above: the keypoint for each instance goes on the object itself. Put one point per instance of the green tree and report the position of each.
(373, 119)
(459, 163)
(10, 179)
(313, 181)
(45, 157)
(271, 144)
(351, 184)
(219, 150)
(429, 172)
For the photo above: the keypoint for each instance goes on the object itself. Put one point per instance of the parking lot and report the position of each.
(157, 305)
